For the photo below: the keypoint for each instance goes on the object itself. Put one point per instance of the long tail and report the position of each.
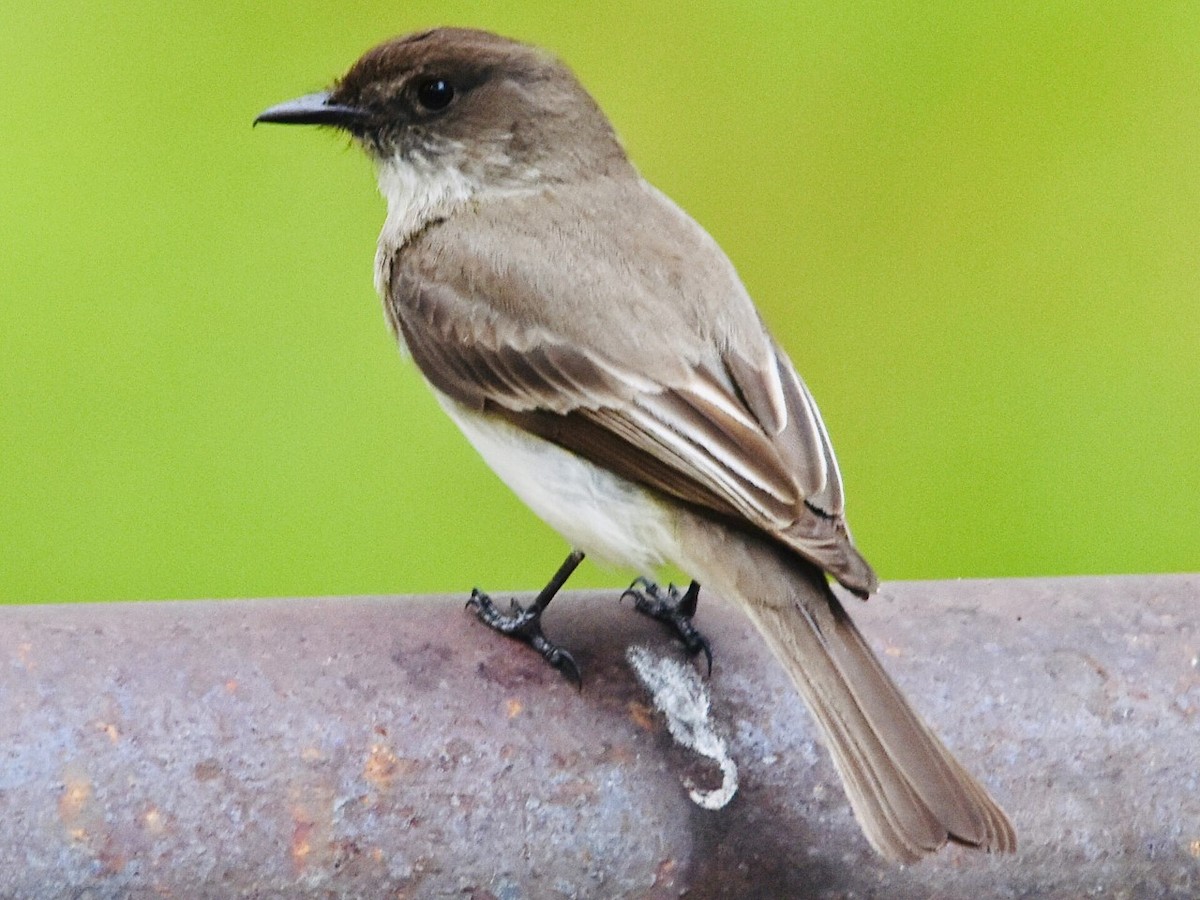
(909, 794)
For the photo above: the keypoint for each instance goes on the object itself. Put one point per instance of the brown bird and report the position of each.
(598, 349)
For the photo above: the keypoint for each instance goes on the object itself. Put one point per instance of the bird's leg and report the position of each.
(525, 623)
(674, 610)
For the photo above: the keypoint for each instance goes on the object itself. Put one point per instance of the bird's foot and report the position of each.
(673, 609)
(524, 625)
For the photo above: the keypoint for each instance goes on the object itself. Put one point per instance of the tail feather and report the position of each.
(909, 794)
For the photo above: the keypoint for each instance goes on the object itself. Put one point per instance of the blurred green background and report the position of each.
(975, 230)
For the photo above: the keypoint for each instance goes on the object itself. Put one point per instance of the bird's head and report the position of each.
(495, 111)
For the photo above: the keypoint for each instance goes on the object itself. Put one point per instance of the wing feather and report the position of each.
(701, 438)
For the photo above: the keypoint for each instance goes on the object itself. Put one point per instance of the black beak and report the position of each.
(313, 109)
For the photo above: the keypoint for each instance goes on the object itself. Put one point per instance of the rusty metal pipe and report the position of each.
(376, 747)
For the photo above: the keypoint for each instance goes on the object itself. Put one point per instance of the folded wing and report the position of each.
(741, 439)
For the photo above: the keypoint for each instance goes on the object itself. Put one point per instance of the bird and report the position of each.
(601, 353)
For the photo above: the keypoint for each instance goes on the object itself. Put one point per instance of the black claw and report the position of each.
(639, 587)
(707, 652)
(565, 663)
(524, 625)
(674, 610)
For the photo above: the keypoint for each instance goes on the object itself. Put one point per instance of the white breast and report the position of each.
(596, 511)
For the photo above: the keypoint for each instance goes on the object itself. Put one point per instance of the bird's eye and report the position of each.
(435, 94)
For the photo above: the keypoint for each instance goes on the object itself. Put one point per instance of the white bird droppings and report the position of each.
(680, 695)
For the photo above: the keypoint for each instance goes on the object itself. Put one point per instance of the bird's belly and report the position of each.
(597, 512)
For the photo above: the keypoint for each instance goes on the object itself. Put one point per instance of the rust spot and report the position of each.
(893, 651)
(83, 821)
(231, 686)
(514, 708)
(642, 715)
(312, 844)
(207, 769)
(568, 761)
(664, 873)
(1095, 664)
(311, 754)
(110, 731)
(620, 754)
(1194, 849)
(112, 861)
(383, 767)
(152, 820)
(73, 801)
(301, 844)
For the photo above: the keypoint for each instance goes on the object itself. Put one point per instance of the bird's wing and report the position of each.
(744, 440)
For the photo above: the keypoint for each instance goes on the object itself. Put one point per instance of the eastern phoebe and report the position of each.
(600, 352)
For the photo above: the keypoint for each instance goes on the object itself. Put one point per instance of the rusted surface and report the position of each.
(394, 748)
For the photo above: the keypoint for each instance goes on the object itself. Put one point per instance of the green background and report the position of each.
(974, 229)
